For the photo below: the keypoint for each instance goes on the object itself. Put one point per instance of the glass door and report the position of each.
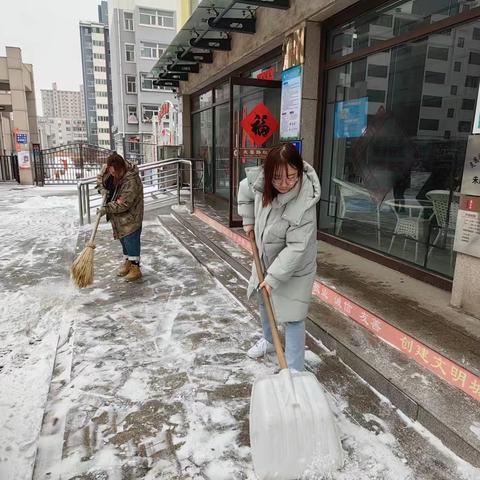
(254, 127)
(222, 150)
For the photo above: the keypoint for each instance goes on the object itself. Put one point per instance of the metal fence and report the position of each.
(9, 168)
(67, 164)
(164, 183)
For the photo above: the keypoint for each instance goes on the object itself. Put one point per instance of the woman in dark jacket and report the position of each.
(120, 181)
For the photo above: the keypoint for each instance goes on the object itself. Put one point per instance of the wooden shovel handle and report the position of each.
(268, 304)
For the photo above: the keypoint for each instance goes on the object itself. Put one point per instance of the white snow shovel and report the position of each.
(292, 428)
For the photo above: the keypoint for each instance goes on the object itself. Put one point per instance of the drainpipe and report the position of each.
(121, 81)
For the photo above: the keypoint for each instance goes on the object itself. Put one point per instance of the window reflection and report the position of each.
(396, 134)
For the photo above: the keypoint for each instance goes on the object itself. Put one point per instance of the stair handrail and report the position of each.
(83, 185)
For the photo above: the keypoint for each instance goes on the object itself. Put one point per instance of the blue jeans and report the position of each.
(294, 338)
(131, 245)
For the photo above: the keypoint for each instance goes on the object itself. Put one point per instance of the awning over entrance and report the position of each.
(208, 29)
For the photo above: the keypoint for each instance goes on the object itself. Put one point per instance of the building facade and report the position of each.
(57, 131)
(386, 112)
(18, 111)
(95, 46)
(63, 121)
(140, 32)
(63, 103)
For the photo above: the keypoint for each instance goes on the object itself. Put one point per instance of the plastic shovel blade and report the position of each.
(290, 432)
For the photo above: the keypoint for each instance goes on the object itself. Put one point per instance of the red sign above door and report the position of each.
(259, 124)
(268, 74)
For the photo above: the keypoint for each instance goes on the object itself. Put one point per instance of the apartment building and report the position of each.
(57, 131)
(63, 120)
(63, 103)
(140, 32)
(95, 46)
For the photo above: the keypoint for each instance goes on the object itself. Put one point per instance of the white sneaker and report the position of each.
(261, 348)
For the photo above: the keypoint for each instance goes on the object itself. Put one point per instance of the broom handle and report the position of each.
(97, 222)
(268, 304)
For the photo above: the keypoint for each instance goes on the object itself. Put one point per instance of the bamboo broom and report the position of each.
(81, 271)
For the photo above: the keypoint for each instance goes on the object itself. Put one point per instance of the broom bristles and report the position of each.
(81, 270)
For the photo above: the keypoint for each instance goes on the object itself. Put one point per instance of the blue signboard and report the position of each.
(351, 118)
(21, 138)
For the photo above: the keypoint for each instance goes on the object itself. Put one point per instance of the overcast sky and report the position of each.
(47, 32)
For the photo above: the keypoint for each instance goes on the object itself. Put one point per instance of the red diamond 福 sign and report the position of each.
(259, 124)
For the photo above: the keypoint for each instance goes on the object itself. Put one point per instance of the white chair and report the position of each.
(349, 191)
(446, 217)
(413, 221)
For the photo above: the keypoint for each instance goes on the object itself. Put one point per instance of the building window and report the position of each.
(379, 71)
(468, 104)
(453, 90)
(434, 77)
(457, 66)
(99, 56)
(450, 112)
(461, 42)
(128, 20)
(471, 81)
(131, 84)
(151, 50)
(438, 53)
(465, 127)
(431, 101)
(134, 145)
(476, 34)
(428, 124)
(474, 58)
(148, 111)
(157, 18)
(147, 83)
(376, 96)
(129, 52)
(98, 43)
(132, 117)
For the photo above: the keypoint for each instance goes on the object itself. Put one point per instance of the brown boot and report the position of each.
(134, 274)
(124, 269)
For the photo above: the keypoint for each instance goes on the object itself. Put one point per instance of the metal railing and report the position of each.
(163, 184)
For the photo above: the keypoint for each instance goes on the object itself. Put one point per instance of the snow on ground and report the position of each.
(36, 233)
(151, 380)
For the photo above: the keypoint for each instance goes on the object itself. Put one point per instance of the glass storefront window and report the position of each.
(390, 21)
(202, 145)
(397, 126)
(202, 101)
(222, 93)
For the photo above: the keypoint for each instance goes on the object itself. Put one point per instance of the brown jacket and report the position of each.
(125, 217)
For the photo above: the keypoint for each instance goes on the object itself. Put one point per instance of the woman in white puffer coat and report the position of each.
(278, 200)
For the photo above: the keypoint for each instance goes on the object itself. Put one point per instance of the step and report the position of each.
(418, 309)
(420, 394)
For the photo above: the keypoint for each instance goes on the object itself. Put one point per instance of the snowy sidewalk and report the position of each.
(38, 236)
(150, 380)
(158, 377)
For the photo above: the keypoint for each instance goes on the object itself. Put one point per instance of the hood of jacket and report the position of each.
(298, 200)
